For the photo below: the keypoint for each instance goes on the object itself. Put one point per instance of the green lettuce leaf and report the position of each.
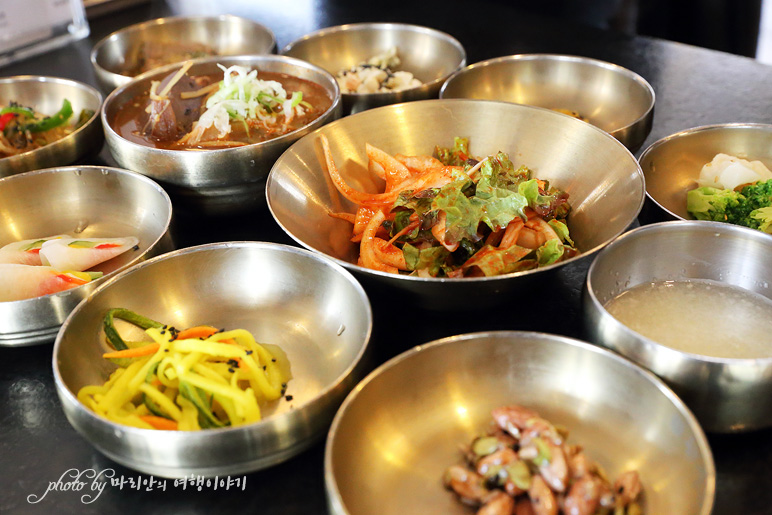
(549, 253)
(431, 259)
(562, 231)
(462, 214)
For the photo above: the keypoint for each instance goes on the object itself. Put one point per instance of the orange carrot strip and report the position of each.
(199, 331)
(145, 350)
(160, 422)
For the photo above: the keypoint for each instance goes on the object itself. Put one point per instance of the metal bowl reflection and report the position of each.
(90, 201)
(115, 56)
(602, 178)
(726, 395)
(430, 55)
(311, 308)
(404, 424)
(45, 95)
(611, 97)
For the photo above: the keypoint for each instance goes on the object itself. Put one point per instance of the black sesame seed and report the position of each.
(230, 369)
(288, 397)
(248, 352)
(263, 367)
(273, 360)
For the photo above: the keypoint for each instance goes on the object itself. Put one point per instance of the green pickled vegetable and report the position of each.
(53, 121)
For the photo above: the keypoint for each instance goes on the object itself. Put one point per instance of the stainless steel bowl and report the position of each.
(116, 55)
(90, 201)
(310, 307)
(45, 95)
(430, 55)
(214, 181)
(404, 424)
(602, 178)
(611, 97)
(725, 394)
(672, 165)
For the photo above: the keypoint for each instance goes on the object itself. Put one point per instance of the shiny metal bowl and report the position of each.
(611, 97)
(405, 423)
(45, 95)
(116, 55)
(91, 201)
(602, 178)
(726, 395)
(214, 181)
(430, 55)
(310, 307)
(672, 165)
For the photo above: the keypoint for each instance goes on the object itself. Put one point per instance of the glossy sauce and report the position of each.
(698, 316)
(131, 118)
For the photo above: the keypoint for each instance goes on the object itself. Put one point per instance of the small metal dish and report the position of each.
(430, 55)
(611, 97)
(603, 180)
(404, 425)
(223, 181)
(726, 395)
(45, 95)
(672, 165)
(310, 307)
(90, 201)
(116, 55)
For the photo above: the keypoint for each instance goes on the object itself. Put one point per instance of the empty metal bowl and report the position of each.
(311, 308)
(405, 424)
(118, 57)
(602, 178)
(45, 95)
(430, 55)
(89, 201)
(223, 181)
(611, 97)
(672, 165)
(725, 394)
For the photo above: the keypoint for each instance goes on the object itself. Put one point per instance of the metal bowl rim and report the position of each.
(354, 27)
(94, 56)
(54, 80)
(93, 169)
(765, 127)
(204, 434)
(514, 337)
(703, 226)
(377, 273)
(336, 100)
(636, 78)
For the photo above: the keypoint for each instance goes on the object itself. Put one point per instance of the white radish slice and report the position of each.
(18, 282)
(83, 253)
(25, 252)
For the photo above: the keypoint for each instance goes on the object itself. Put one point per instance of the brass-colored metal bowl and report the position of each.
(311, 308)
(91, 201)
(603, 180)
(726, 395)
(223, 181)
(45, 95)
(672, 165)
(430, 55)
(116, 55)
(611, 97)
(404, 425)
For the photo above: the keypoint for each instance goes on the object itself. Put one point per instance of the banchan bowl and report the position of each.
(726, 395)
(223, 181)
(602, 178)
(88, 201)
(430, 55)
(672, 165)
(117, 56)
(405, 424)
(311, 308)
(46, 95)
(611, 97)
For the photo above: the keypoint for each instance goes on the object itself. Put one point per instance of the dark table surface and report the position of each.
(693, 86)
